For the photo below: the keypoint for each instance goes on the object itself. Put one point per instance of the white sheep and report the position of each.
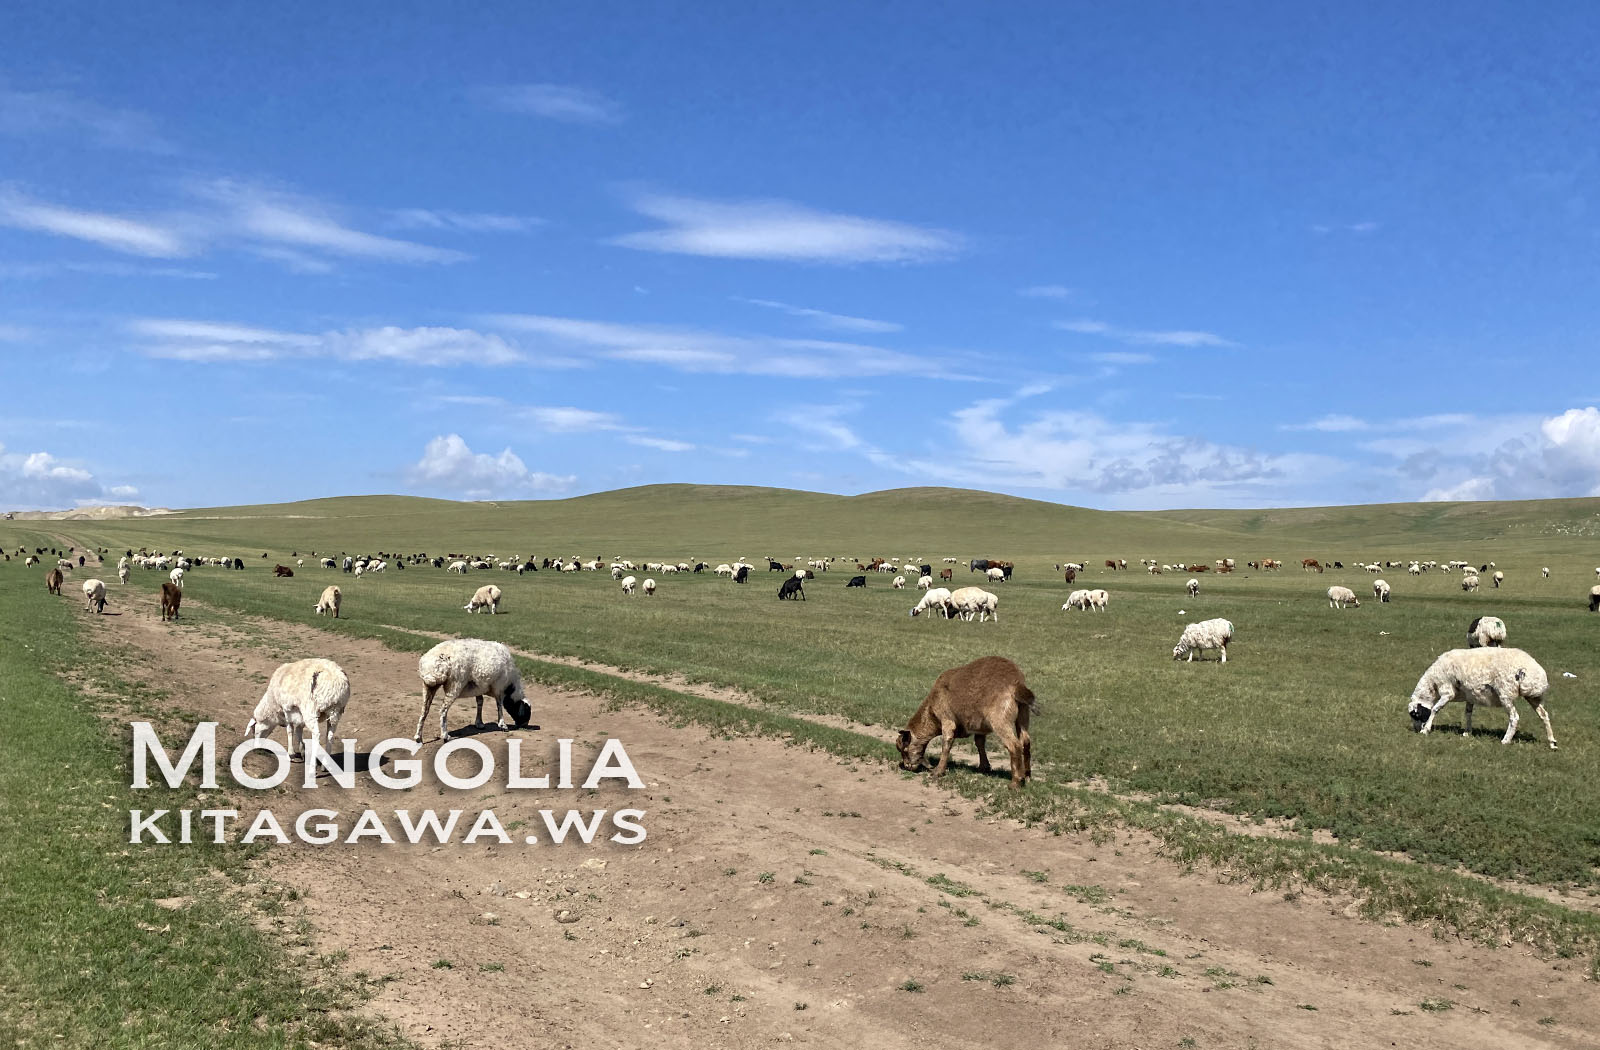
(1207, 634)
(1486, 632)
(1545, 572)
(937, 597)
(648, 586)
(1469, 583)
(1498, 578)
(329, 602)
(1341, 597)
(1194, 586)
(924, 582)
(996, 575)
(1481, 676)
(458, 566)
(122, 574)
(472, 667)
(485, 597)
(302, 694)
(328, 563)
(899, 583)
(628, 584)
(1380, 590)
(94, 591)
(1099, 599)
(1078, 599)
(176, 576)
(970, 602)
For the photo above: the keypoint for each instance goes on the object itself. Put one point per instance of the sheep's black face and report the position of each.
(519, 709)
(1419, 714)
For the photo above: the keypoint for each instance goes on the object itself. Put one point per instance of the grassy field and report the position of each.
(1306, 722)
(88, 957)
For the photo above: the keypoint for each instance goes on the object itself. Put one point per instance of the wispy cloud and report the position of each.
(462, 222)
(448, 464)
(1323, 229)
(58, 113)
(568, 420)
(692, 350)
(37, 271)
(1144, 337)
(1337, 423)
(116, 232)
(662, 444)
(841, 322)
(1049, 291)
(1120, 357)
(277, 218)
(214, 342)
(781, 230)
(563, 102)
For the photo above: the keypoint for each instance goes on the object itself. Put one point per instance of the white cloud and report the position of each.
(462, 222)
(57, 113)
(278, 218)
(1144, 337)
(695, 351)
(664, 444)
(212, 342)
(116, 232)
(449, 465)
(1049, 291)
(1560, 458)
(1339, 423)
(38, 480)
(563, 102)
(781, 230)
(1120, 357)
(43, 270)
(842, 322)
(567, 420)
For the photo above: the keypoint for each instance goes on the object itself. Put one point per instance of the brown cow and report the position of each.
(171, 597)
(1110, 564)
(53, 581)
(1307, 564)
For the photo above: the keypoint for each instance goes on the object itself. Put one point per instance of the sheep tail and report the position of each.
(1025, 699)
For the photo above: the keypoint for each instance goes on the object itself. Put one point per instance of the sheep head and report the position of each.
(1419, 712)
(516, 705)
(911, 752)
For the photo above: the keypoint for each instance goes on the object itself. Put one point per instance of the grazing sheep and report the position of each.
(1341, 597)
(328, 563)
(792, 590)
(742, 574)
(1076, 600)
(30, 562)
(94, 591)
(649, 586)
(1594, 598)
(1498, 578)
(1194, 586)
(176, 576)
(856, 581)
(302, 694)
(329, 602)
(455, 566)
(1486, 632)
(1545, 572)
(122, 574)
(995, 574)
(970, 602)
(1207, 634)
(1380, 590)
(899, 583)
(53, 581)
(936, 598)
(985, 696)
(1099, 599)
(485, 597)
(629, 583)
(1469, 583)
(924, 582)
(1482, 676)
(472, 667)
(171, 598)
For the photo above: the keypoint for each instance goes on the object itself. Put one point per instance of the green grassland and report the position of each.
(1305, 722)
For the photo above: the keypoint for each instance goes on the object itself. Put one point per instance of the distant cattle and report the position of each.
(792, 590)
(282, 570)
(857, 581)
(978, 565)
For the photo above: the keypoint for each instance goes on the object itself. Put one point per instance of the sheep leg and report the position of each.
(444, 715)
(500, 711)
(333, 724)
(1466, 719)
(944, 758)
(981, 739)
(1027, 754)
(479, 721)
(427, 702)
(1550, 734)
(1223, 649)
(315, 737)
(1446, 694)
(1511, 719)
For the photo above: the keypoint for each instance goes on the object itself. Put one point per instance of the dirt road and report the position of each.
(786, 896)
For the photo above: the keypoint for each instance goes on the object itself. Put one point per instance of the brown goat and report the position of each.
(282, 570)
(947, 574)
(983, 697)
(53, 581)
(171, 597)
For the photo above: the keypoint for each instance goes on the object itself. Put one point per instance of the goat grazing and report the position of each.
(985, 696)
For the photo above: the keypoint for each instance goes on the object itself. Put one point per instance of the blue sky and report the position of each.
(1125, 256)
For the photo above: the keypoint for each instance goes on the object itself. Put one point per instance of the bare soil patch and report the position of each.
(785, 895)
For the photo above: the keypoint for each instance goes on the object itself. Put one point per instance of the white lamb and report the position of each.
(1194, 586)
(94, 591)
(1481, 676)
(924, 582)
(1469, 583)
(1341, 597)
(472, 667)
(122, 574)
(458, 566)
(1207, 634)
(1498, 578)
(485, 597)
(649, 586)
(302, 694)
(937, 597)
(176, 576)
(1380, 590)
(970, 602)
(628, 584)
(329, 602)
(1486, 632)
(899, 583)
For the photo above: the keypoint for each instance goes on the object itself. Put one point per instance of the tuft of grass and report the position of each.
(910, 986)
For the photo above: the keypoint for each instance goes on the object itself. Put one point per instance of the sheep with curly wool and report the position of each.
(974, 602)
(1469, 583)
(1078, 599)
(1486, 632)
(936, 598)
(302, 694)
(1194, 586)
(1342, 597)
(1380, 590)
(94, 591)
(1497, 675)
(1207, 634)
(485, 597)
(472, 667)
(329, 602)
